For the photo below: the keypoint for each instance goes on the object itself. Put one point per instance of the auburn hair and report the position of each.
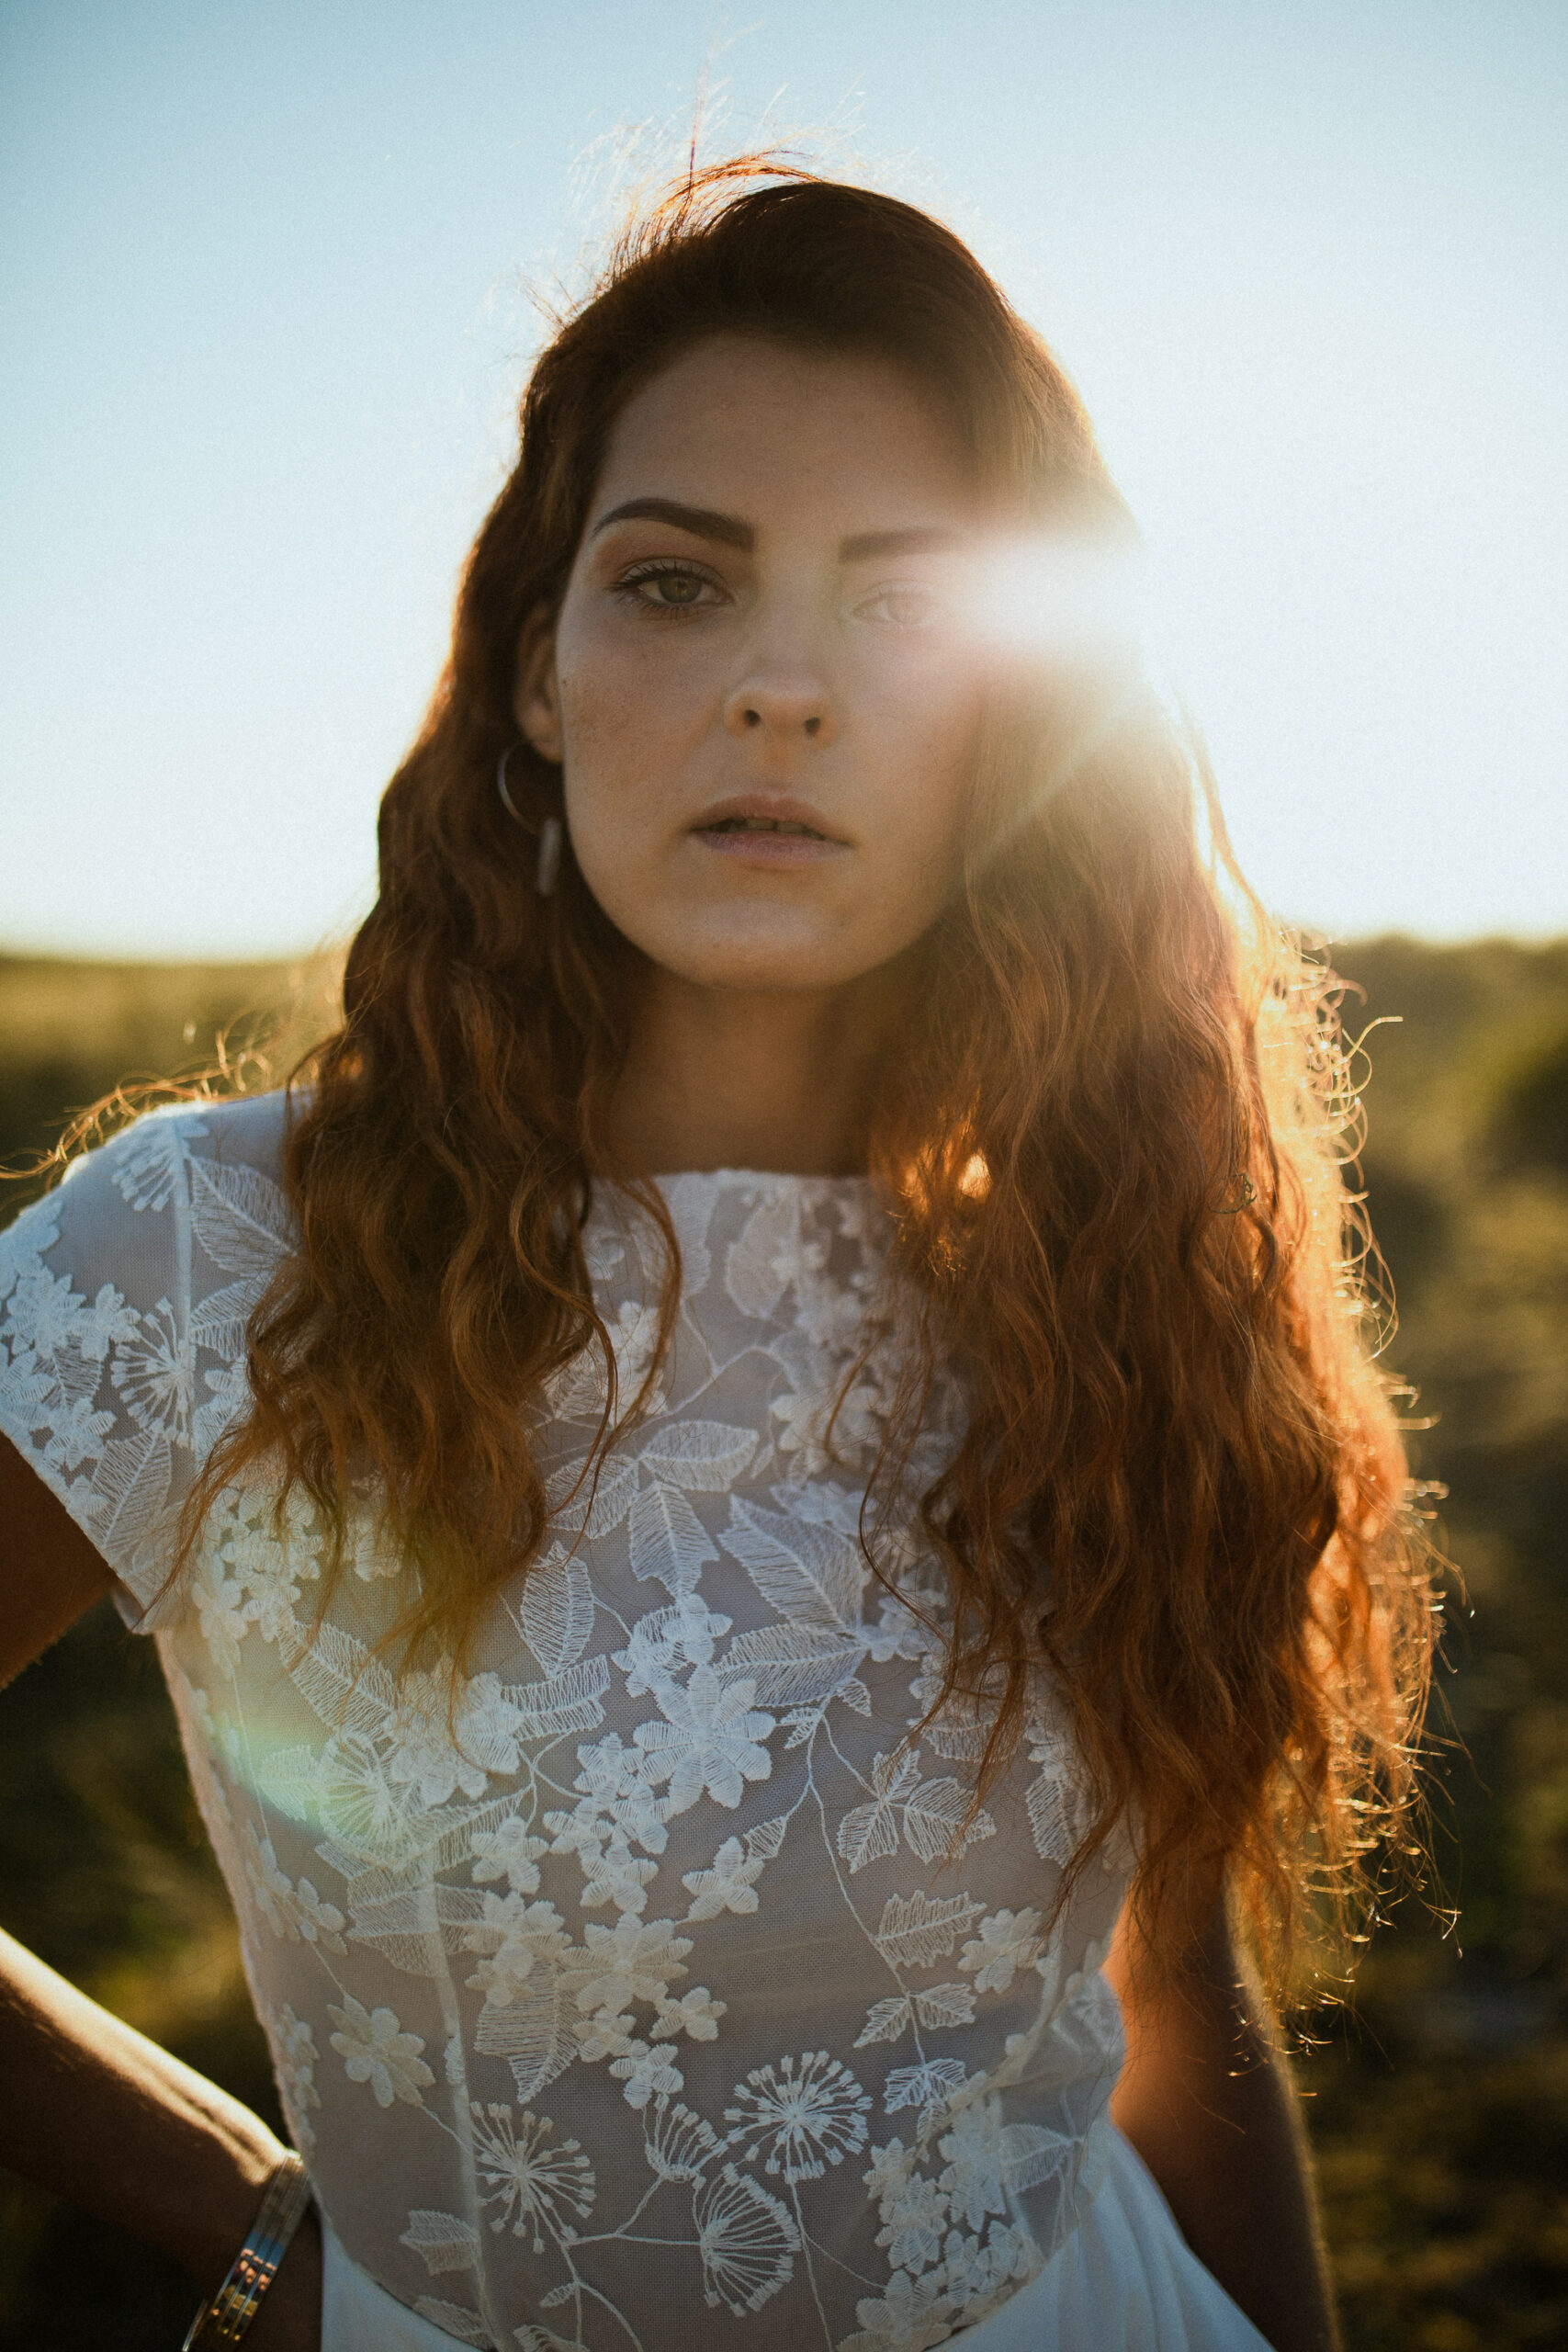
(1110, 1147)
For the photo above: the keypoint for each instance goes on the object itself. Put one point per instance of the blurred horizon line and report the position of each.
(13, 952)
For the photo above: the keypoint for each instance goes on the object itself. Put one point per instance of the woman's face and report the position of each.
(765, 714)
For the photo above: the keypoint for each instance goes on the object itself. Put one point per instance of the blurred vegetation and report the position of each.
(105, 1868)
(1438, 2102)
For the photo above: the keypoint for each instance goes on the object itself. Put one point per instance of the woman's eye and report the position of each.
(669, 588)
(909, 605)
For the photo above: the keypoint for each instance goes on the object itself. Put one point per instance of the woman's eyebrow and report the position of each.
(706, 522)
(921, 539)
(701, 521)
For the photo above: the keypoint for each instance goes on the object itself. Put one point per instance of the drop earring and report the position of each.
(548, 871)
(549, 867)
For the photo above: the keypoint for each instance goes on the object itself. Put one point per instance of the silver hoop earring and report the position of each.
(549, 857)
(547, 872)
(506, 800)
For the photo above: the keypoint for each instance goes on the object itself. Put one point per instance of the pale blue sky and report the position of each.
(263, 274)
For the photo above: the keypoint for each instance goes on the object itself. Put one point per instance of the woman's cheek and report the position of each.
(930, 778)
(623, 728)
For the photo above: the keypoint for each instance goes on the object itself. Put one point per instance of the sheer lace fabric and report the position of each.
(652, 1970)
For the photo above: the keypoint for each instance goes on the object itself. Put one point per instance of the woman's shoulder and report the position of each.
(188, 1192)
(148, 1165)
(124, 1296)
(145, 1159)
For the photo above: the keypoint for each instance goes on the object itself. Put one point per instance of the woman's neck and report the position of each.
(776, 1078)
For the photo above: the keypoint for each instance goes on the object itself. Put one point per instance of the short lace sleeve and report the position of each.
(123, 1300)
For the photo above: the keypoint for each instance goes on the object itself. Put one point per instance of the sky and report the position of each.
(265, 270)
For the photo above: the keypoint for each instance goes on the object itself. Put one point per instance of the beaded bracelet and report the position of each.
(223, 2321)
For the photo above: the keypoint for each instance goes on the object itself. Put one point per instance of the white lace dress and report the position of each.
(648, 1981)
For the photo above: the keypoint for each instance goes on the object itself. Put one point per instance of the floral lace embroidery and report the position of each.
(656, 1957)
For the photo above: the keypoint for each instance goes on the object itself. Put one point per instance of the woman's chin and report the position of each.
(748, 949)
(758, 971)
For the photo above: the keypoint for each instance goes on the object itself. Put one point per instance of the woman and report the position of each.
(770, 1461)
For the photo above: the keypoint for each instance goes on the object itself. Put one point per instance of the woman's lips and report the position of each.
(760, 837)
(767, 845)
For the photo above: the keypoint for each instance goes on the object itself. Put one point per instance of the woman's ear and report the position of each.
(536, 703)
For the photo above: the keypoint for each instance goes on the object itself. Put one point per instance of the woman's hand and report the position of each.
(1207, 2100)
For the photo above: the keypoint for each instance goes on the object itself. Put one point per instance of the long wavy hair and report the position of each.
(1110, 1146)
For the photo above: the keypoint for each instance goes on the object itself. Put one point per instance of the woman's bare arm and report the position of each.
(1207, 2100)
(90, 2109)
(50, 1573)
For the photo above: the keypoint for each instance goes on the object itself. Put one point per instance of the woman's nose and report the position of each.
(790, 707)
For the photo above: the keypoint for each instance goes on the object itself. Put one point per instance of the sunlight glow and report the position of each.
(1064, 594)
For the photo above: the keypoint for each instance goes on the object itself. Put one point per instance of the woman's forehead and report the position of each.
(762, 421)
